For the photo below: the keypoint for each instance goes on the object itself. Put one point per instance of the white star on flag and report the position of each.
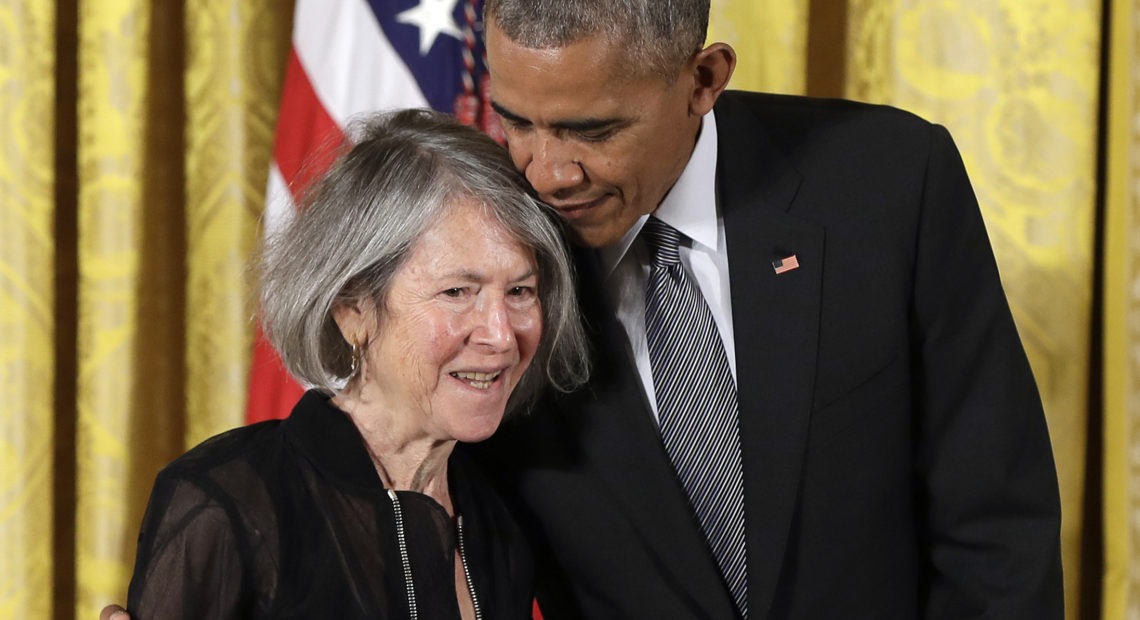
(433, 18)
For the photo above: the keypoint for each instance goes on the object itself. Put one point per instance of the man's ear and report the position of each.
(711, 68)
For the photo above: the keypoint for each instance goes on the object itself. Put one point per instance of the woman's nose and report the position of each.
(493, 325)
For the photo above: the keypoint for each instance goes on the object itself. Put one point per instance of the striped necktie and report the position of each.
(696, 404)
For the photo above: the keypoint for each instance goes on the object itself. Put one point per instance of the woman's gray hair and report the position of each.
(358, 224)
(660, 35)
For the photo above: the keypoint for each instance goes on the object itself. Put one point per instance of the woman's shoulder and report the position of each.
(243, 444)
(210, 517)
(224, 486)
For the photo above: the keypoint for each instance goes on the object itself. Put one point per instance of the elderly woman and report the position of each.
(423, 293)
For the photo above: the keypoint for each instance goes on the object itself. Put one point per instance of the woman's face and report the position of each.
(461, 324)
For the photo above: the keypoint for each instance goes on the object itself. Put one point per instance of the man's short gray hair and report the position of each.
(359, 223)
(660, 35)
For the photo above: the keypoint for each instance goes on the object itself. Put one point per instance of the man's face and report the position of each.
(600, 143)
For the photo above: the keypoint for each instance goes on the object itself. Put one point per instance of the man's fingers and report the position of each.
(114, 612)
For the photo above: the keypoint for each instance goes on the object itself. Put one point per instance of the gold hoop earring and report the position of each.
(357, 359)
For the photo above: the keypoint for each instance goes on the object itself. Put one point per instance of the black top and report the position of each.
(288, 519)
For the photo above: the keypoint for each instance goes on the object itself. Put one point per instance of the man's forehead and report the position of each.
(595, 54)
(571, 108)
(558, 88)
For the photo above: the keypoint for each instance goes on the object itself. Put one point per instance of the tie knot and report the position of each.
(663, 240)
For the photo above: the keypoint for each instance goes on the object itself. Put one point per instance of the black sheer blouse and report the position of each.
(288, 519)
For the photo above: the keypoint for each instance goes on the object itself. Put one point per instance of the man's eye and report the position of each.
(453, 292)
(600, 135)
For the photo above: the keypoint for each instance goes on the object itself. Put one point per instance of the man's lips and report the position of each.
(571, 210)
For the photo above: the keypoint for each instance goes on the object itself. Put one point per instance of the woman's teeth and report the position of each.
(479, 380)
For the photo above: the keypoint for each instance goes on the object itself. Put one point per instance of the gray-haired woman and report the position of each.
(424, 293)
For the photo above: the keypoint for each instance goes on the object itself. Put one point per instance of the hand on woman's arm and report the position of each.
(114, 612)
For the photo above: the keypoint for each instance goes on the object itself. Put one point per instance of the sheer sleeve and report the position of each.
(190, 561)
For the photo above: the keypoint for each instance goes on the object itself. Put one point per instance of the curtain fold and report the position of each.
(27, 323)
(229, 141)
(128, 330)
(1121, 579)
(176, 107)
(1016, 82)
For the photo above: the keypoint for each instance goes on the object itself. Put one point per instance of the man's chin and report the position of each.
(588, 236)
(599, 234)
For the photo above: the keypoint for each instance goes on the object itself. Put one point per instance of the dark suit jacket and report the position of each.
(896, 458)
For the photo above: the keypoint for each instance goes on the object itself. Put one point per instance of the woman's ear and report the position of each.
(352, 320)
(711, 68)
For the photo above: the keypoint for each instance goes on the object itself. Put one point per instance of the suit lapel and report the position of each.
(776, 326)
(620, 439)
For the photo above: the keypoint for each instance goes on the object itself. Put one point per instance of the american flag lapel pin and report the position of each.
(786, 264)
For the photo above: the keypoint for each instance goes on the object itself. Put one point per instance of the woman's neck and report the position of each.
(406, 459)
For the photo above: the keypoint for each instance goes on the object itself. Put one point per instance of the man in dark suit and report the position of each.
(887, 438)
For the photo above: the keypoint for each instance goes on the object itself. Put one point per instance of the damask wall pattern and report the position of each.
(769, 39)
(176, 114)
(1121, 579)
(1130, 16)
(1015, 81)
(27, 255)
(229, 141)
(130, 251)
(112, 87)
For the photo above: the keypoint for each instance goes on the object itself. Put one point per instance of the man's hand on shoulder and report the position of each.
(114, 612)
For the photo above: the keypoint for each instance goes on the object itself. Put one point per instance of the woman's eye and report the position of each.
(453, 292)
(521, 291)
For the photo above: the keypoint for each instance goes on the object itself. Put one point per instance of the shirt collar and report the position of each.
(690, 205)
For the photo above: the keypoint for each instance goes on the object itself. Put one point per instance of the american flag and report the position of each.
(351, 57)
(784, 265)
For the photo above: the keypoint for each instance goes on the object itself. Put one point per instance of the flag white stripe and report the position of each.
(350, 63)
(278, 202)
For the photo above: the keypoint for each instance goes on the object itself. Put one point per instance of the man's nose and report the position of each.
(553, 167)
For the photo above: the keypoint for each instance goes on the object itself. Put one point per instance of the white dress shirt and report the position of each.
(692, 208)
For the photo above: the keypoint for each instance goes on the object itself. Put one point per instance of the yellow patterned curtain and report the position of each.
(769, 38)
(241, 45)
(131, 205)
(27, 323)
(1121, 580)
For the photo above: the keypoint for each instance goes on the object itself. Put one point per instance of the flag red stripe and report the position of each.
(307, 136)
(272, 392)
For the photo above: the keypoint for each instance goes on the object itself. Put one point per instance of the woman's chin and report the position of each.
(478, 431)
